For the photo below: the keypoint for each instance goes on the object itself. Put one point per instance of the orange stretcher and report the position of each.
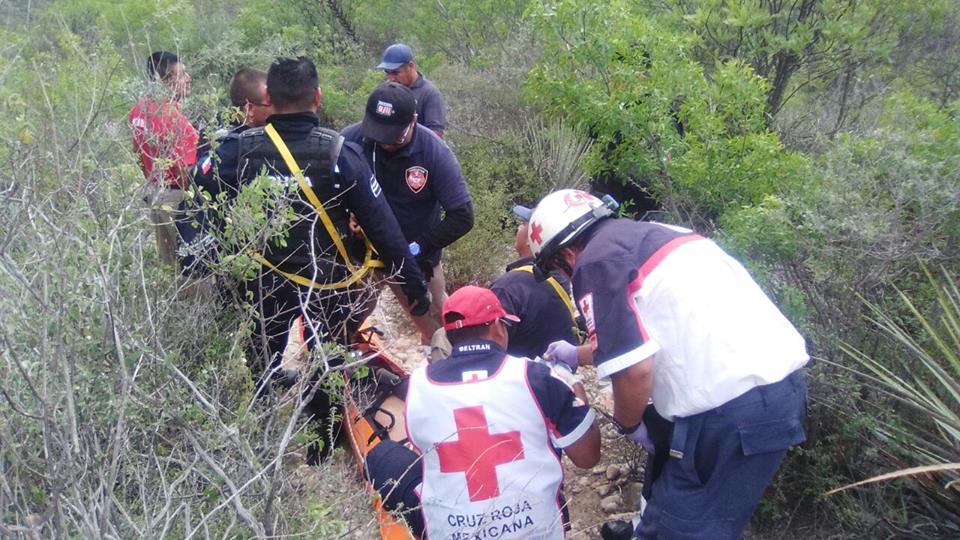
(366, 425)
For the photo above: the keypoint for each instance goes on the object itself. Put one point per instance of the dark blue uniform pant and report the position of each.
(395, 472)
(722, 460)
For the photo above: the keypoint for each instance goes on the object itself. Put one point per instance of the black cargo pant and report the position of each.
(329, 316)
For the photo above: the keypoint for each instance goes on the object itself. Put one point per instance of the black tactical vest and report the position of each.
(309, 250)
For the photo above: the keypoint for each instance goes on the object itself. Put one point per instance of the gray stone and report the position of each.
(613, 472)
(631, 494)
(611, 504)
(605, 489)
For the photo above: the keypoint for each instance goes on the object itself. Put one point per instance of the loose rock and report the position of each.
(605, 489)
(611, 504)
(631, 494)
(613, 472)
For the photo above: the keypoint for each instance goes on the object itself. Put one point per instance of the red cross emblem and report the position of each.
(576, 198)
(477, 452)
(535, 230)
(586, 308)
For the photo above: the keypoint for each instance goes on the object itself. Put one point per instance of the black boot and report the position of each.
(617, 530)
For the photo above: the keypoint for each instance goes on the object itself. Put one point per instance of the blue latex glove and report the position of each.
(641, 437)
(562, 352)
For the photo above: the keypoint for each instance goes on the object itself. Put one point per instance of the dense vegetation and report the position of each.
(818, 140)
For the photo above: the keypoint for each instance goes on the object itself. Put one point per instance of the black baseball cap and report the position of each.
(390, 108)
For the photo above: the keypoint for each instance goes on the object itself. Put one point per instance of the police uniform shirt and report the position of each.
(430, 105)
(568, 417)
(208, 174)
(419, 180)
(544, 317)
(652, 290)
(361, 193)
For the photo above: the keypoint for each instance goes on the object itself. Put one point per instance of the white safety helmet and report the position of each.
(560, 217)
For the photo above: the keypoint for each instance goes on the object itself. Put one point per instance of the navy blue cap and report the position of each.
(522, 212)
(395, 56)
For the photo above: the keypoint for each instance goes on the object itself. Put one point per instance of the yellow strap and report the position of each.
(368, 260)
(311, 196)
(307, 282)
(561, 292)
(356, 273)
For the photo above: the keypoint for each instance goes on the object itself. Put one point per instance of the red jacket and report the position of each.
(163, 135)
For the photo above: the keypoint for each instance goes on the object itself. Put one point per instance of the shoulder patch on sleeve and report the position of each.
(585, 305)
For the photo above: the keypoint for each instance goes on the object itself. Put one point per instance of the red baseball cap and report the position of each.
(474, 306)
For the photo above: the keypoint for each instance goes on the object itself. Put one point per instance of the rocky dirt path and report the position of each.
(611, 490)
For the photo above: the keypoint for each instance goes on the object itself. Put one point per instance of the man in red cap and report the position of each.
(489, 429)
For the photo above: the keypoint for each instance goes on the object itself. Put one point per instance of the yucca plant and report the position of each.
(920, 433)
(557, 151)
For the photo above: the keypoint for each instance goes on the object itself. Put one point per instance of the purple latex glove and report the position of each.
(641, 437)
(563, 352)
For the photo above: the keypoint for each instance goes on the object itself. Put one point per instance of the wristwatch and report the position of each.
(626, 430)
(617, 426)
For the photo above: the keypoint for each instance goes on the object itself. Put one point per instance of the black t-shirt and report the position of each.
(544, 316)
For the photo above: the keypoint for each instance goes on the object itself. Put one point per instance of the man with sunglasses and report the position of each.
(248, 93)
(423, 183)
(248, 96)
(399, 66)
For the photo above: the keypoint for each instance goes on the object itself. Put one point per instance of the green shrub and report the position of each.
(918, 391)
(127, 406)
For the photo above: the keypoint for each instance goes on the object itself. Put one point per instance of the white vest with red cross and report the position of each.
(489, 470)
